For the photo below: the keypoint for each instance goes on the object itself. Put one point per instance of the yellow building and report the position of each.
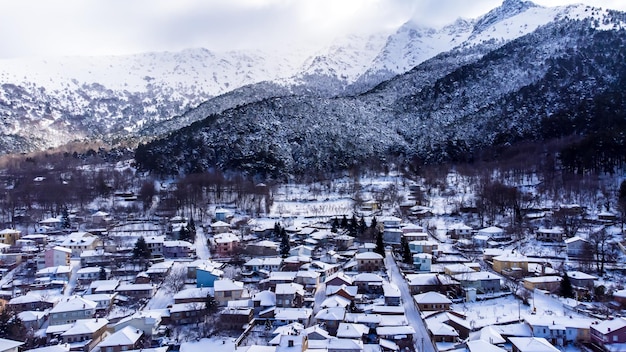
(9, 236)
(511, 264)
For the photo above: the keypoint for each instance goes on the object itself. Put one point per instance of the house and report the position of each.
(236, 318)
(392, 294)
(78, 242)
(228, 290)
(158, 271)
(512, 264)
(33, 319)
(284, 316)
(430, 247)
(353, 331)
(103, 286)
(402, 335)
(460, 231)
(432, 301)
(483, 346)
(415, 236)
(482, 281)
(309, 279)
(9, 236)
(265, 265)
(89, 274)
(101, 218)
(368, 282)
(148, 322)
(205, 264)
(262, 248)
(442, 332)
(338, 279)
(225, 244)
(301, 250)
(85, 334)
(531, 344)
(348, 292)
(609, 335)
(560, 330)
(155, 245)
(57, 256)
(366, 247)
(576, 246)
(136, 291)
(193, 295)
(263, 300)
(392, 235)
(128, 338)
(104, 301)
(344, 242)
(220, 227)
(581, 280)
(7, 345)
(30, 301)
(70, 309)
(61, 272)
(458, 268)
(554, 234)
(177, 249)
(420, 283)
(98, 257)
(422, 262)
(207, 274)
(290, 295)
(547, 283)
(620, 297)
(494, 233)
(369, 261)
(187, 313)
(330, 318)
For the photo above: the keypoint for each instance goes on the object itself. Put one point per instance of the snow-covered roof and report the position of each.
(350, 290)
(124, 337)
(532, 344)
(431, 298)
(368, 256)
(580, 275)
(74, 303)
(194, 292)
(289, 289)
(227, 285)
(607, 326)
(6, 344)
(367, 277)
(483, 346)
(352, 330)
(86, 326)
(331, 314)
(292, 313)
(335, 301)
(574, 239)
(220, 224)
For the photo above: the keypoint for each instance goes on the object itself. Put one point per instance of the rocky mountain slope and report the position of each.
(47, 102)
(447, 108)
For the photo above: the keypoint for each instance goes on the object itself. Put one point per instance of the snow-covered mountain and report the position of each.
(564, 79)
(49, 101)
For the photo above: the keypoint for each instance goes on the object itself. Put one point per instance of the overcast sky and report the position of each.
(114, 27)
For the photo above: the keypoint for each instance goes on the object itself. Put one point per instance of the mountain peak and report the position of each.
(508, 9)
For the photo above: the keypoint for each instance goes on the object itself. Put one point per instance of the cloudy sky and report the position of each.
(114, 27)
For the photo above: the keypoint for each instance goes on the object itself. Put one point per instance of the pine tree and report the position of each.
(210, 304)
(566, 289)
(192, 227)
(65, 219)
(352, 226)
(362, 226)
(141, 250)
(405, 251)
(335, 225)
(285, 247)
(183, 233)
(374, 223)
(380, 245)
(102, 275)
(277, 229)
(344, 222)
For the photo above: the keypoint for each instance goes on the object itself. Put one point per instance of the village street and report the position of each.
(202, 249)
(421, 339)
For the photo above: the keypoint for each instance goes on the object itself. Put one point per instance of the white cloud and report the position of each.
(100, 27)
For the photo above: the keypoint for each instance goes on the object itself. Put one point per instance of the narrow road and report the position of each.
(412, 314)
(202, 249)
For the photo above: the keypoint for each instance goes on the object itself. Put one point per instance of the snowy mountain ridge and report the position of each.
(47, 102)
